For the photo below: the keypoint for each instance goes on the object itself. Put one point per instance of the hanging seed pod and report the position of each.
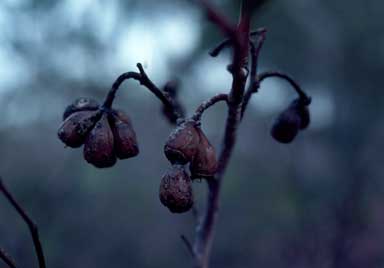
(99, 145)
(76, 127)
(286, 126)
(176, 190)
(293, 119)
(204, 164)
(124, 135)
(182, 143)
(81, 104)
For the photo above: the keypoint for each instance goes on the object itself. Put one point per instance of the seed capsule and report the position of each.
(182, 143)
(286, 126)
(176, 190)
(124, 135)
(76, 127)
(81, 104)
(204, 164)
(99, 145)
(293, 119)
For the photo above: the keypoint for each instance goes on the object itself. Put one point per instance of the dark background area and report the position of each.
(317, 202)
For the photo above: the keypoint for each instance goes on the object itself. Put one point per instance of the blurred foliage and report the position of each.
(315, 203)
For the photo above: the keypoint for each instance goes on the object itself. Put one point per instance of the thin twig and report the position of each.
(228, 42)
(144, 80)
(290, 80)
(7, 259)
(188, 245)
(206, 104)
(31, 225)
(171, 90)
(254, 81)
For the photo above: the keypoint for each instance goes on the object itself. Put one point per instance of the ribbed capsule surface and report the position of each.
(204, 164)
(176, 190)
(125, 141)
(81, 104)
(182, 143)
(99, 145)
(75, 128)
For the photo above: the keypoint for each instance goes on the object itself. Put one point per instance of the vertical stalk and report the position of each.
(205, 231)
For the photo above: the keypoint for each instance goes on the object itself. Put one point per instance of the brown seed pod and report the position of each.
(76, 127)
(81, 104)
(124, 135)
(204, 164)
(182, 143)
(176, 190)
(99, 146)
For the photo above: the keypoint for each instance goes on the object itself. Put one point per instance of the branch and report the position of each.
(144, 80)
(290, 80)
(205, 230)
(254, 83)
(228, 42)
(31, 225)
(171, 89)
(206, 104)
(7, 259)
(303, 96)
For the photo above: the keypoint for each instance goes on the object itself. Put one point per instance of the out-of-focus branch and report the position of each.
(7, 259)
(31, 225)
(170, 105)
(218, 19)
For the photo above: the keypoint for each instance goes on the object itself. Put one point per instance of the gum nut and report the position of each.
(181, 145)
(286, 126)
(204, 165)
(99, 145)
(75, 128)
(176, 190)
(81, 104)
(125, 141)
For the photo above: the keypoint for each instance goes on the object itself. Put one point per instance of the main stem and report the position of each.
(205, 230)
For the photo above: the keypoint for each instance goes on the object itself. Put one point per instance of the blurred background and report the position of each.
(317, 202)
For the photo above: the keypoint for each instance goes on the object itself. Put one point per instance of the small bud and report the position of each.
(99, 145)
(81, 104)
(296, 117)
(76, 127)
(124, 135)
(182, 143)
(176, 190)
(204, 164)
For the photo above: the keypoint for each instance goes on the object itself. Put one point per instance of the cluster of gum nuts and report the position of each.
(187, 144)
(108, 135)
